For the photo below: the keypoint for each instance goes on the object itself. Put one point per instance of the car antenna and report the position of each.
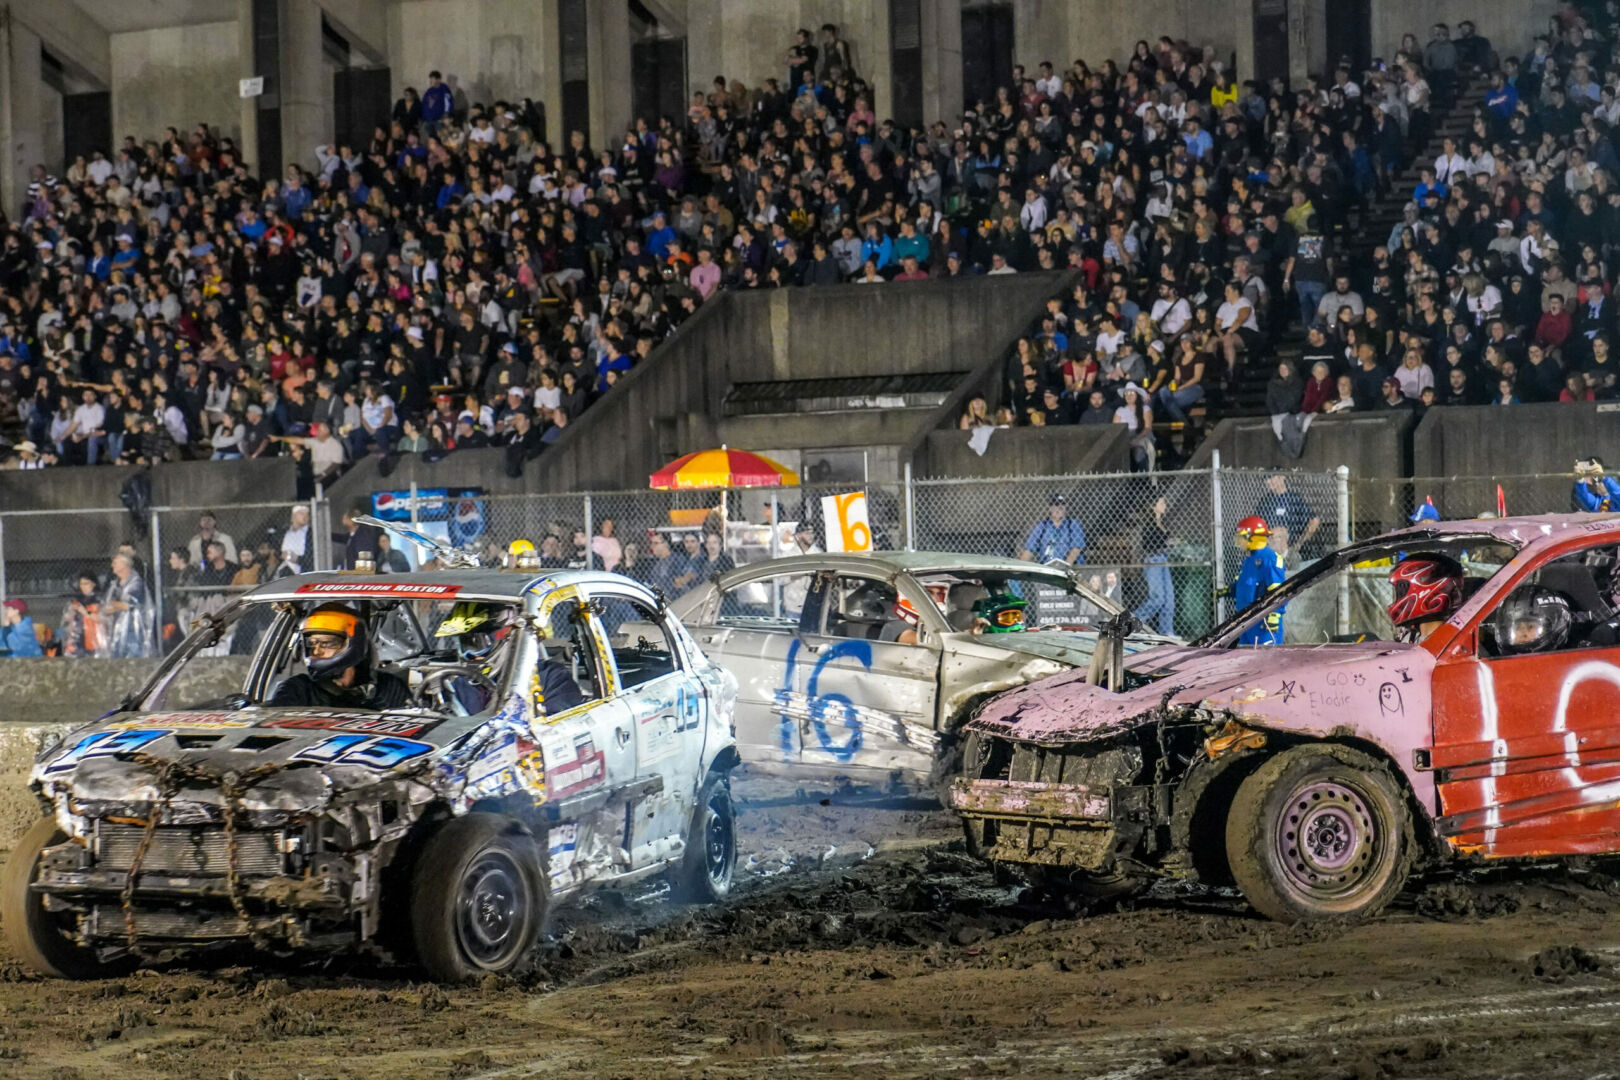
(449, 558)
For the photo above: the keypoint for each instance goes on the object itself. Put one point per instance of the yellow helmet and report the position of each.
(521, 555)
(464, 618)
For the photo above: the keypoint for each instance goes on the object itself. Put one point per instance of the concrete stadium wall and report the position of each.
(180, 483)
(41, 698)
(487, 49)
(1518, 440)
(1510, 25)
(1371, 444)
(1014, 452)
(180, 76)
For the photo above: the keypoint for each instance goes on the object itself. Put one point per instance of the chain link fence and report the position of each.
(1382, 505)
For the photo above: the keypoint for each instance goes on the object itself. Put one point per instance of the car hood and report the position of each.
(1072, 648)
(286, 759)
(1312, 690)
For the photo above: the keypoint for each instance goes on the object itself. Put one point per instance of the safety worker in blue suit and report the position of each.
(1595, 492)
(1262, 572)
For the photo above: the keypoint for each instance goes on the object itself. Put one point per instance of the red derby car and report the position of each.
(1447, 691)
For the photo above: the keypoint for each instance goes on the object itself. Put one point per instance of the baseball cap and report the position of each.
(1057, 499)
(414, 333)
(517, 392)
(19, 606)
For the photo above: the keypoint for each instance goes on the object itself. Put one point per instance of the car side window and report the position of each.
(866, 609)
(569, 666)
(646, 648)
(1570, 603)
(774, 603)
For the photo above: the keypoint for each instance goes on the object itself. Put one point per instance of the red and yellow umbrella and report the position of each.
(722, 468)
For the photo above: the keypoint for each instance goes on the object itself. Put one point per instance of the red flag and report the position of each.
(1501, 502)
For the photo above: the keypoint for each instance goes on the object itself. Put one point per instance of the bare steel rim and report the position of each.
(719, 840)
(494, 909)
(1332, 843)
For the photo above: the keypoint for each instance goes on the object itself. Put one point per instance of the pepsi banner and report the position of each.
(462, 508)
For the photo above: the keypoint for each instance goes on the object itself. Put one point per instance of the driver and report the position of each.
(337, 666)
(474, 628)
(1532, 620)
(1428, 589)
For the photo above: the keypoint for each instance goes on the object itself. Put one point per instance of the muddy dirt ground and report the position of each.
(861, 942)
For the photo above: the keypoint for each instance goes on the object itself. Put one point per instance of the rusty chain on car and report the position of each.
(233, 784)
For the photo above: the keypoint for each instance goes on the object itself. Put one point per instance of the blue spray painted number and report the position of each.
(372, 751)
(824, 706)
(104, 744)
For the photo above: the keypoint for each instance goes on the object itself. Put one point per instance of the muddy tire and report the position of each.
(479, 898)
(707, 866)
(1089, 888)
(1320, 832)
(35, 936)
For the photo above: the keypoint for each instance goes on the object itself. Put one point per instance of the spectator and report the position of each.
(207, 532)
(127, 610)
(605, 545)
(17, 635)
(295, 545)
(1159, 609)
(83, 630)
(1056, 537)
(1288, 514)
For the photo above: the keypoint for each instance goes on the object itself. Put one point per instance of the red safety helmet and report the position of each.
(1253, 528)
(1426, 587)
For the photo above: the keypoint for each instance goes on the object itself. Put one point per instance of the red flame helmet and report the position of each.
(1426, 587)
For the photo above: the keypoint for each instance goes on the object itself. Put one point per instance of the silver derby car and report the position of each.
(865, 665)
(421, 763)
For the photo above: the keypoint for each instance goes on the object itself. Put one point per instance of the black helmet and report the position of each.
(334, 620)
(1532, 620)
(870, 603)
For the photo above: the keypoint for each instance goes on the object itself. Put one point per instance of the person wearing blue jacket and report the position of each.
(437, 103)
(1595, 492)
(877, 246)
(1262, 571)
(17, 636)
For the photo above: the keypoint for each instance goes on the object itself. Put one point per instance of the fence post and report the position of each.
(1342, 483)
(1217, 578)
(2, 560)
(415, 520)
(590, 553)
(319, 544)
(776, 525)
(156, 583)
(911, 511)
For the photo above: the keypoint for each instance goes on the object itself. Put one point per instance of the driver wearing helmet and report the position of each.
(1428, 590)
(338, 672)
(1533, 620)
(1262, 572)
(521, 555)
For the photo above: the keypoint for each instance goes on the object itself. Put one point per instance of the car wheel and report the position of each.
(710, 860)
(37, 937)
(479, 898)
(1319, 832)
(1091, 888)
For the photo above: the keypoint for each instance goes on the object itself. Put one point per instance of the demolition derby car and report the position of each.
(421, 762)
(1445, 692)
(865, 665)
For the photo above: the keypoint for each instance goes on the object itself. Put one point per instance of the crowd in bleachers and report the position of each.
(461, 282)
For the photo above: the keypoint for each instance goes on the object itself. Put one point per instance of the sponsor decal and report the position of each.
(373, 752)
(104, 744)
(354, 725)
(564, 842)
(341, 588)
(576, 767)
(185, 721)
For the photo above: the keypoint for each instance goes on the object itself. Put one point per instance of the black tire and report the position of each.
(480, 893)
(710, 860)
(1090, 888)
(35, 936)
(1320, 832)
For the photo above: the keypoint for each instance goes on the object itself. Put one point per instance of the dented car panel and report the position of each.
(280, 825)
(814, 700)
(1501, 755)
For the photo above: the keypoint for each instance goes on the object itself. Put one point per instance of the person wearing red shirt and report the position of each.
(1555, 325)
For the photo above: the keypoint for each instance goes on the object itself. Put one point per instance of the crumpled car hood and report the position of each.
(1073, 648)
(297, 760)
(1307, 689)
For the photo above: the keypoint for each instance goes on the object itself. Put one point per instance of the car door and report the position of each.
(753, 633)
(1527, 744)
(666, 706)
(867, 700)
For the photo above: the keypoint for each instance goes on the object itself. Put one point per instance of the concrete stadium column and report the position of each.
(306, 83)
(941, 60)
(607, 43)
(1307, 39)
(246, 70)
(21, 129)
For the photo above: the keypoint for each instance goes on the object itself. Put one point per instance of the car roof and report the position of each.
(1527, 531)
(913, 562)
(486, 584)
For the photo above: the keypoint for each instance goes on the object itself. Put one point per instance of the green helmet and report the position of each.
(465, 618)
(1002, 613)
